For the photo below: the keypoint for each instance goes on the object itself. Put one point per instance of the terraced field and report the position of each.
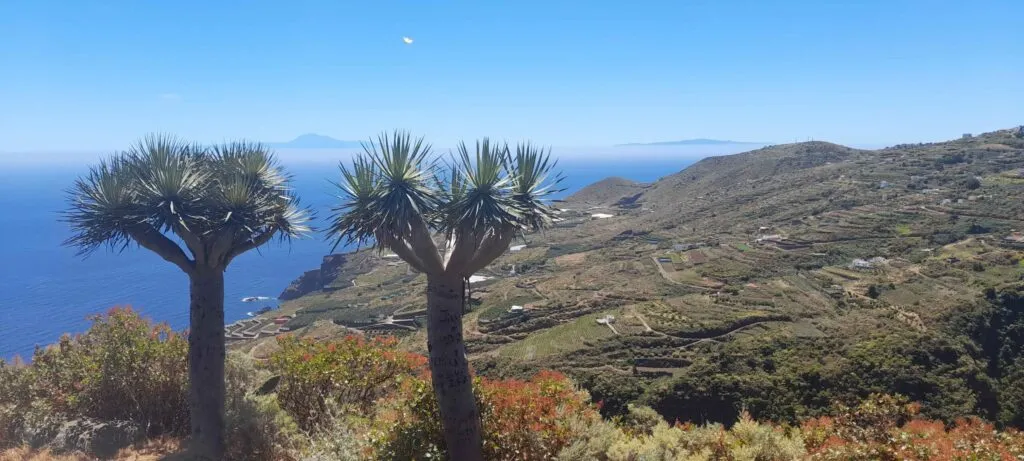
(730, 255)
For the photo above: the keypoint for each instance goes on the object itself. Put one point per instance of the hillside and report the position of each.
(606, 192)
(775, 280)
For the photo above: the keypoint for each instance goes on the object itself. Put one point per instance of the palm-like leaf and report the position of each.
(356, 219)
(102, 207)
(532, 182)
(485, 203)
(393, 191)
(251, 194)
(233, 197)
(170, 182)
(405, 194)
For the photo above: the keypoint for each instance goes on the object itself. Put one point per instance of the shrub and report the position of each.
(15, 401)
(886, 428)
(126, 369)
(319, 379)
(257, 428)
(640, 420)
(532, 419)
(747, 440)
(870, 421)
(122, 369)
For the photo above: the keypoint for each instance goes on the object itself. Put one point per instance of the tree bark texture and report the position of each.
(206, 354)
(450, 368)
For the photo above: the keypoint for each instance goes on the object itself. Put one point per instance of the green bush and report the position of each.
(16, 400)
(639, 420)
(122, 369)
(257, 428)
(126, 369)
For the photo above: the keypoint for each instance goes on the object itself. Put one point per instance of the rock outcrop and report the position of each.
(100, 438)
(307, 283)
(331, 268)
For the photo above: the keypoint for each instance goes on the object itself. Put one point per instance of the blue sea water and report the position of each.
(46, 290)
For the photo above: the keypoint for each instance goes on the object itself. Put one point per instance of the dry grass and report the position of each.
(152, 450)
(571, 259)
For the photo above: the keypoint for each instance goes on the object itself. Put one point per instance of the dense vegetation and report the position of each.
(367, 399)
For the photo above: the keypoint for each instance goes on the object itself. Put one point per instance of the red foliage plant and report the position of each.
(887, 428)
(321, 379)
(522, 419)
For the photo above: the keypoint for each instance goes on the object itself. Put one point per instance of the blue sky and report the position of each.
(85, 75)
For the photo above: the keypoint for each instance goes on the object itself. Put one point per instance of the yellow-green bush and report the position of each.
(747, 440)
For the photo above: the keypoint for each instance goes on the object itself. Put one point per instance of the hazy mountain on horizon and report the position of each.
(693, 142)
(314, 141)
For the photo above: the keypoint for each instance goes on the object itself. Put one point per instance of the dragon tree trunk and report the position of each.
(449, 367)
(206, 354)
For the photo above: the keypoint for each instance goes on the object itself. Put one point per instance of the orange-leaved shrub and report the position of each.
(320, 380)
(887, 428)
(522, 419)
(122, 369)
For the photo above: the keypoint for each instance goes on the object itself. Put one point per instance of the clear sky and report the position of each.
(84, 75)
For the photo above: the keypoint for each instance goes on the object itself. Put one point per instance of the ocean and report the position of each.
(46, 290)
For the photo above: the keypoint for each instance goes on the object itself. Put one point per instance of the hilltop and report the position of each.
(608, 191)
(775, 280)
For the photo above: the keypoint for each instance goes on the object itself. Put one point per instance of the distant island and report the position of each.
(693, 142)
(314, 141)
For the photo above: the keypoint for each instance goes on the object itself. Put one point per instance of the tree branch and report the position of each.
(192, 242)
(255, 242)
(492, 247)
(464, 245)
(151, 239)
(425, 248)
(402, 249)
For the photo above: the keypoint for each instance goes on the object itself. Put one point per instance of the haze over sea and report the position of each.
(47, 290)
